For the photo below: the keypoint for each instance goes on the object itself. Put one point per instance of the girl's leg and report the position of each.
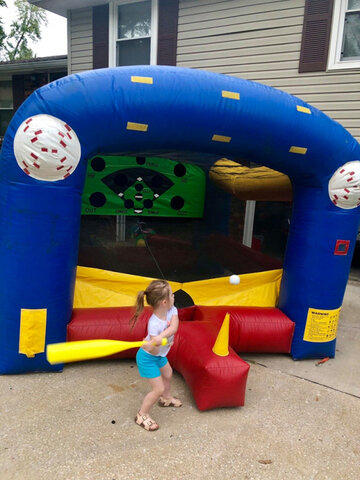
(157, 389)
(167, 400)
(166, 375)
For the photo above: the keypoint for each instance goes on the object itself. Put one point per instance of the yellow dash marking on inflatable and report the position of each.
(233, 95)
(32, 331)
(321, 325)
(300, 150)
(139, 127)
(148, 80)
(299, 108)
(221, 138)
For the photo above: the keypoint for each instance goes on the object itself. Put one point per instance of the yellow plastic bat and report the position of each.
(88, 349)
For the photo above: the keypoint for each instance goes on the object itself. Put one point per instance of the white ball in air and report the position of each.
(234, 280)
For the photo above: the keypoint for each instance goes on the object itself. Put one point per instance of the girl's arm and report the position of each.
(170, 330)
(152, 346)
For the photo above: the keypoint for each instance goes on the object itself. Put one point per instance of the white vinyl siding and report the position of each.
(80, 40)
(260, 40)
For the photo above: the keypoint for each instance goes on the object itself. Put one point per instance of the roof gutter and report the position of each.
(61, 7)
(33, 66)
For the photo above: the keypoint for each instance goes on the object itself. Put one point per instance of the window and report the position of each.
(6, 105)
(134, 29)
(345, 35)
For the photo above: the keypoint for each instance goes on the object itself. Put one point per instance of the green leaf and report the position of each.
(26, 27)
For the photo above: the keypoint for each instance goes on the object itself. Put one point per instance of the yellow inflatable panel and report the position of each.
(32, 331)
(96, 288)
(259, 183)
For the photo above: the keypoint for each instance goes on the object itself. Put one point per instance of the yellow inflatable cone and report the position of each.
(221, 345)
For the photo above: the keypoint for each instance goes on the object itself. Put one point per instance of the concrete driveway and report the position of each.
(301, 421)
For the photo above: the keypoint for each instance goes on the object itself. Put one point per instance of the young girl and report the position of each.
(151, 358)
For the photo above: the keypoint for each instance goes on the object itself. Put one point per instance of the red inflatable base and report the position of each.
(214, 381)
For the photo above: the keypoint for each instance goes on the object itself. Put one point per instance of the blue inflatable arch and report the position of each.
(155, 110)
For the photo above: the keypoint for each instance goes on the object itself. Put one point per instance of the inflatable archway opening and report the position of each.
(158, 110)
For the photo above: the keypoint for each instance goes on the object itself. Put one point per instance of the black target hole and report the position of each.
(97, 199)
(98, 164)
(180, 170)
(177, 203)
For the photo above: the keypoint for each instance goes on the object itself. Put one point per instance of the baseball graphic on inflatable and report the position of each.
(46, 148)
(344, 186)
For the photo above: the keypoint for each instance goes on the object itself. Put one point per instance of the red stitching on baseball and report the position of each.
(352, 173)
(67, 175)
(335, 196)
(26, 128)
(26, 165)
(26, 171)
(44, 149)
(347, 190)
(349, 179)
(63, 159)
(36, 165)
(33, 140)
(28, 121)
(54, 151)
(346, 198)
(334, 202)
(68, 134)
(343, 170)
(67, 127)
(34, 156)
(59, 168)
(61, 135)
(63, 144)
(38, 132)
(68, 169)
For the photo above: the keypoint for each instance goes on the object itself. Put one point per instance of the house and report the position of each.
(308, 48)
(19, 78)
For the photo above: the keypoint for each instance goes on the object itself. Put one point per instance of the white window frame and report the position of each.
(336, 39)
(7, 78)
(113, 29)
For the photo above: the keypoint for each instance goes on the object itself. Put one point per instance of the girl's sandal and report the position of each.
(146, 422)
(172, 402)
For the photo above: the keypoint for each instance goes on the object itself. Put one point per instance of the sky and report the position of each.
(54, 36)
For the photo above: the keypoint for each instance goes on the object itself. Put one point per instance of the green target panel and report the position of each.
(147, 186)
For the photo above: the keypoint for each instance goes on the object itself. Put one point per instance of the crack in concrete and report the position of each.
(303, 378)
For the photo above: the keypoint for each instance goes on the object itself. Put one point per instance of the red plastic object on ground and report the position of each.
(215, 381)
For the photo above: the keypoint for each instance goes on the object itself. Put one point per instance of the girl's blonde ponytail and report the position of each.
(139, 307)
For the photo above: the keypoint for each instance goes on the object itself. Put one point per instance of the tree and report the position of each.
(27, 27)
(2, 31)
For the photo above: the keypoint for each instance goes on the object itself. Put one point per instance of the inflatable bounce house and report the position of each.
(172, 112)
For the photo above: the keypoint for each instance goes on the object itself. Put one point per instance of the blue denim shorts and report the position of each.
(149, 365)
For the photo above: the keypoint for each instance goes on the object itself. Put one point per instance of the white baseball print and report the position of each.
(46, 148)
(344, 186)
